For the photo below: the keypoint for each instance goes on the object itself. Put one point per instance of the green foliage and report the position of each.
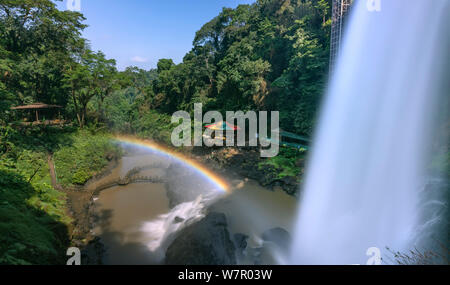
(36, 42)
(91, 75)
(164, 65)
(87, 155)
(33, 222)
(120, 111)
(81, 177)
(286, 164)
(33, 215)
(155, 126)
(44, 59)
(271, 55)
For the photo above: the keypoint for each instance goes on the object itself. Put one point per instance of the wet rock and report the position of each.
(178, 220)
(290, 185)
(206, 242)
(292, 190)
(238, 159)
(93, 252)
(253, 254)
(279, 237)
(435, 189)
(240, 241)
(254, 173)
(269, 175)
(289, 180)
(300, 162)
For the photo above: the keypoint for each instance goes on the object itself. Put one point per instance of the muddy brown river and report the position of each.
(132, 220)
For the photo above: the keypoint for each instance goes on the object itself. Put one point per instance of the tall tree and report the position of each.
(36, 41)
(271, 55)
(91, 74)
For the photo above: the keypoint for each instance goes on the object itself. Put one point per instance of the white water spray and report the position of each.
(366, 167)
(162, 231)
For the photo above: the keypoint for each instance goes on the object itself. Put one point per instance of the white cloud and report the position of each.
(139, 59)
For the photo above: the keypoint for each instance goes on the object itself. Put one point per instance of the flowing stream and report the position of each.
(136, 223)
(367, 167)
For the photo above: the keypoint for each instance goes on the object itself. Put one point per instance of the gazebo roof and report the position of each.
(36, 106)
(223, 126)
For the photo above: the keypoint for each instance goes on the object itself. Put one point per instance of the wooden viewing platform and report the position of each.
(36, 107)
(288, 139)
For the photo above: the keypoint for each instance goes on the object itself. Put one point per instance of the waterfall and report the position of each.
(367, 166)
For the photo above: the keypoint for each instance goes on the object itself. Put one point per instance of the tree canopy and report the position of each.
(271, 55)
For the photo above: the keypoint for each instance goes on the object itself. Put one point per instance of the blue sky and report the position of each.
(139, 32)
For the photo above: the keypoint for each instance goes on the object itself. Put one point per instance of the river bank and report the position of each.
(284, 171)
(40, 167)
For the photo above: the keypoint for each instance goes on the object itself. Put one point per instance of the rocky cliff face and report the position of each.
(206, 242)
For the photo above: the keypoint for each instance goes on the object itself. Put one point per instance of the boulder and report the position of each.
(300, 162)
(206, 242)
(240, 242)
(290, 181)
(279, 237)
(178, 220)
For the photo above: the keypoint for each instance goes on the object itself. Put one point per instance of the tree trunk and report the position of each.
(80, 123)
(83, 115)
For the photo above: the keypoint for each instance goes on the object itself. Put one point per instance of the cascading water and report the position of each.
(163, 230)
(366, 168)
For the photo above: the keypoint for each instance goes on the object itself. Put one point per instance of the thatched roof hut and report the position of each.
(36, 107)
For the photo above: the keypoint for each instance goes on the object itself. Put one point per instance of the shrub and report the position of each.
(81, 177)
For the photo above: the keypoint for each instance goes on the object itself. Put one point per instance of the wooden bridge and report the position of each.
(132, 178)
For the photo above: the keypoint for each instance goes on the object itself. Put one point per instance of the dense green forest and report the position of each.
(271, 55)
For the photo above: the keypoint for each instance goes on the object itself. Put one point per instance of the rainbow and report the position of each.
(197, 167)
